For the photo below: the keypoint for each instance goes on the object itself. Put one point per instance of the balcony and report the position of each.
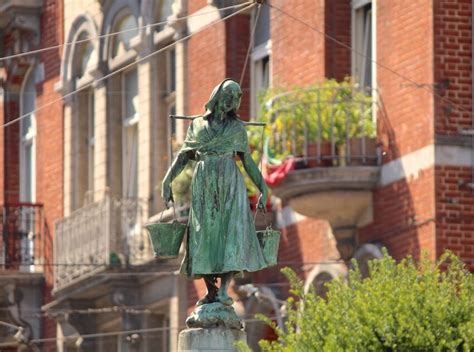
(22, 245)
(322, 156)
(100, 236)
(21, 269)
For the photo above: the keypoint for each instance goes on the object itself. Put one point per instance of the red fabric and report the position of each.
(274, 175)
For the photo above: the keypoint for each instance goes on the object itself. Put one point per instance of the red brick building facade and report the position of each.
(31, 162)
(412, 58)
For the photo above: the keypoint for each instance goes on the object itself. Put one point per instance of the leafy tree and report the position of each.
(406, 306)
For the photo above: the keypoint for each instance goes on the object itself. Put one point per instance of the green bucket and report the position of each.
(166, 238)
(269, 240)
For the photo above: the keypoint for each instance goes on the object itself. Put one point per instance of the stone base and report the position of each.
(210, 340)
(214, 315)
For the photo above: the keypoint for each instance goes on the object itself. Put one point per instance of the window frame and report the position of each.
(26, 141)
(359, 43)
(258, 54)
(129, 126)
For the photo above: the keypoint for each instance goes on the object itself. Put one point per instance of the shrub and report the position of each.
(406, 306)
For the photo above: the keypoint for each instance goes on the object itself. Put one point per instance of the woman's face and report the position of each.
(230, 98)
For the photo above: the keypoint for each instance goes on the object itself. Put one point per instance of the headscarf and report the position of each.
(214, 98)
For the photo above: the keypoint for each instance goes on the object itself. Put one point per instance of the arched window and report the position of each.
(366, 253)
(128, 28)
(321, 274)
(27, 165)
(123, 95)
(83, 137)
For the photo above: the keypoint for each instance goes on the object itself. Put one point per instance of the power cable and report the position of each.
(252, 39)
(177, 19)
(348, 47)
(146, 57)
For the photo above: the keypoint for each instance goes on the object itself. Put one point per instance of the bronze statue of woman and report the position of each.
(222, 240)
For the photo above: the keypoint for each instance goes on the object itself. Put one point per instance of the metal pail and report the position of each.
(269, 240)
(166, 238)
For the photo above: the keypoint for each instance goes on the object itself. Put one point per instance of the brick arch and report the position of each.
(333, 270)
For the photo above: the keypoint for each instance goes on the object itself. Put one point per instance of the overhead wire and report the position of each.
(121, 333)
(383, 66)
(143, 58)
(252, 39)
(177, 19)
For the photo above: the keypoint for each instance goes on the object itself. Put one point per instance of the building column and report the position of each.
(100, 146)
(68, 157)
(145, 126)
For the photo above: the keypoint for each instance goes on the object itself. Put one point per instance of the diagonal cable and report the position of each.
(31, 52)
(252, 40)
(348, 47)
(125, 67)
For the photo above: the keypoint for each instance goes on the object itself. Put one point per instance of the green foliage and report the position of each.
(182, 184)
(330, 110)
(406, 306)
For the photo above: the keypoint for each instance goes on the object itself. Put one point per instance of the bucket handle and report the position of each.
(261, 210)
(167, 207)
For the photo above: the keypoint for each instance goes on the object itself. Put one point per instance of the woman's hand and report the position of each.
(262, 201)
(167, 193)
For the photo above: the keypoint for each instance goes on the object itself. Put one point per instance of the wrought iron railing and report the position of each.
(102, 234)
(22, 229)
(323, 127)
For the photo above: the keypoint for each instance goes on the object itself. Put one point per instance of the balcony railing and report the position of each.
(330, 126)
(22, 245)
(97, 236)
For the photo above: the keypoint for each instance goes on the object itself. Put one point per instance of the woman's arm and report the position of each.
(175, 169)
(255, 175)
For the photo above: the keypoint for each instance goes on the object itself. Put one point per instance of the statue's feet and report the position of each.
(206, 299)
(224, 299)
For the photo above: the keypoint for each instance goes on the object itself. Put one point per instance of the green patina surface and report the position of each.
(214, 315)
(222, 239)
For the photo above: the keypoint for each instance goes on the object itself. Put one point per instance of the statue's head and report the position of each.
(224, 98)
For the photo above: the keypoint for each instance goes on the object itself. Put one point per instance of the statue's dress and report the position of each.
(221, 235)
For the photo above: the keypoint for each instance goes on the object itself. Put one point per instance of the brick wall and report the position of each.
(2, 151)
(237, 42)
(49, 142)
(338, 26)
(453, 76)
(404, 217)
(195, 5)
(455, 212)
(453, 55)
(405, 45)
(206, 66)
(11, 155)
(298, 53)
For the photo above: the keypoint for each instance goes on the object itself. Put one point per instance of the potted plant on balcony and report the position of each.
(317, 121)
(354, 128)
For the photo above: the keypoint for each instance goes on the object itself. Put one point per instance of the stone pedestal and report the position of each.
(207, 340)
(212, 327)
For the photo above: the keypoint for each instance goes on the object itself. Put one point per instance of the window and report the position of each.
(85, 61)
(90, 140)
(27, 140)
(130, 134)
(260, 73)
(27, 167)
(83, 124)
(165, 10)
(122, 42)
(362, 42)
